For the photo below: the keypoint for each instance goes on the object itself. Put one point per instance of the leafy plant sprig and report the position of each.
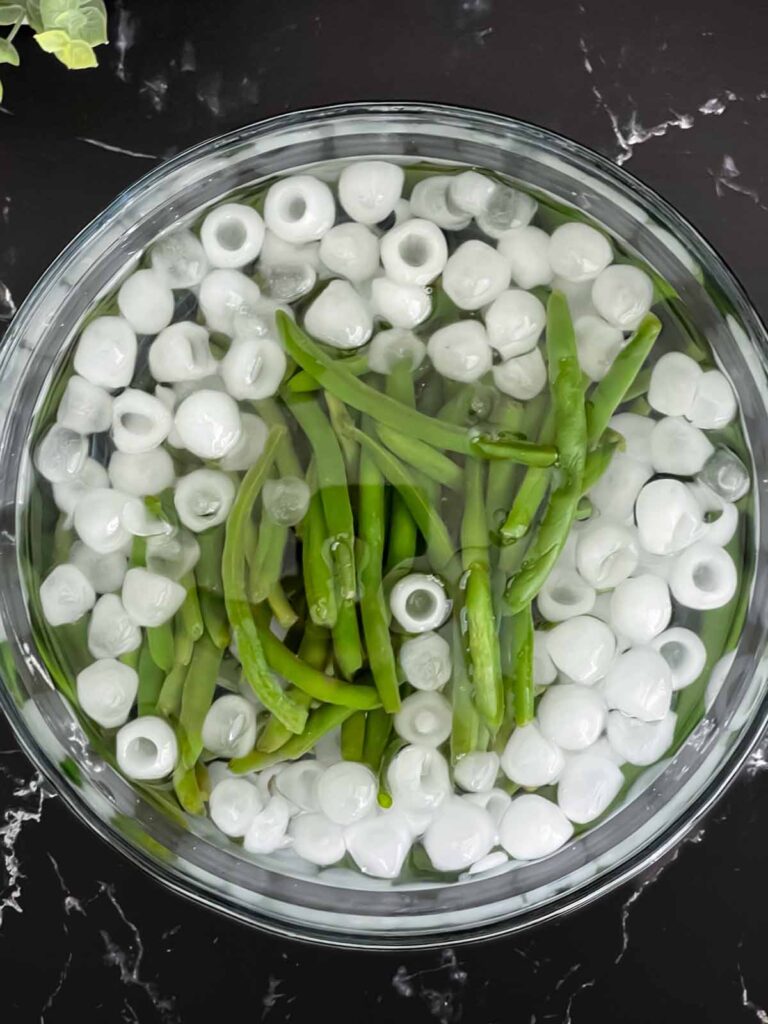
(69, 29)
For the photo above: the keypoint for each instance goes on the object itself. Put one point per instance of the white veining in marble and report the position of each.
(25, 805)
(727, 178)
(443, 1003)
(117, 149)
(748, 1003)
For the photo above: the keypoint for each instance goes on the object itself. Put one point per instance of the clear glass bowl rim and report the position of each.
(188, 884)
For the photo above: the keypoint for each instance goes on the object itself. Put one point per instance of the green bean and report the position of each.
(353, 737)
(314, 646)
(304, 381)
(316, 683)
(465, 730)
(402, 536)
(267, 558)
(501, 445)
(281, 607)
(340, 420)
(378, 728)
(161, 645)
(422, 457)
(151, 676)
(373, 607)
(382, 408)
(332, 482)
(483, 641)
(169, 698)
(250, 650)
(131, 658)
(610, 392)
(189, 618)
(522, 683)
(345, 633)
(501, 475)
(321, 721)
(639, 387)
(440, 547)
(530, 495)
(393, 748)
(316, 561)
(599, 459)
(138, 555)
(571, 438)
(314, 651)
(196, 699)
(209, 586)
(286, 460)
(187, 790)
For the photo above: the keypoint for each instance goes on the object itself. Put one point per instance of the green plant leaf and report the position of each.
(71, 22)
(77, 55)
(10, 13)
(52, 41)
(35, 19)
(52, 10)
(8, 53)
(94, 27)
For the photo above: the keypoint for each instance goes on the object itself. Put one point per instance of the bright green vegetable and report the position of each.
(402, 534)
(353, 737)
(571, 437)
(530, 494)
(465, 730)
(501, 475)
(321, 721)
(378, 728)
(151, 677)
(250, 651)
(610, 392)
(196, 699)
(160, 641)
(267, 561)
(422, 457)
(303, 381)
(169, 698)
(482, 635)
(522, 681)
(209, 586)
(394, 414)
(373, 608)
(316, 561)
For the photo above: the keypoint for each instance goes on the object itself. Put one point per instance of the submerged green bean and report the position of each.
(353, 737)
(378, 728)
(610, 392)
(482, 635)
(303, 381)
(373, 607)
(422, 457)
(320, 722)
(571, 437)
(250, 650)
(316, 564)
(402, 533)
(151, 677)
(267, 561)
(196, 699)
(392, 413)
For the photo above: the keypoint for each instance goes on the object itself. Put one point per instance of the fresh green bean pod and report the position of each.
(373, 608)
(320, 722)
(422, 457)
(196, 699)
(378, 729)
(571, 437)
(611, 391)
(151, 677)
(316, 562)
(353, 737)
(249, 646)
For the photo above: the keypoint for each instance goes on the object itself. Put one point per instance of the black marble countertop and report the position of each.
(678, 92)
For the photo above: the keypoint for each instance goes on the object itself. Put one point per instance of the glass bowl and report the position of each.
(278, 894)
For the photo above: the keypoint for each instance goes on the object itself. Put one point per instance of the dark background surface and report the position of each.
(83, 935)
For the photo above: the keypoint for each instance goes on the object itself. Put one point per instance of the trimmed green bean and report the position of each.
(316, 560)
(314, 647)
(522, 683)
(482, 636)
(250, 650)
(388, 410)
(610, 392)
(402, 534)
(340, 420)
(209, 586)
(169, 698)
(196, 698)
(440, 547)
(281, 607)
(332, 482)
(312, 681)
(571, 438)
(321, 721)
(465, 730)
(345, 634)
(151, 676)
(373, 608)
(267, 559)
(187, 789)
(353, 737)
(501, 475)
(599, 459)
(378, 728)
(422, 457)
(303, 381)
(161, 645)
(530, 494)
